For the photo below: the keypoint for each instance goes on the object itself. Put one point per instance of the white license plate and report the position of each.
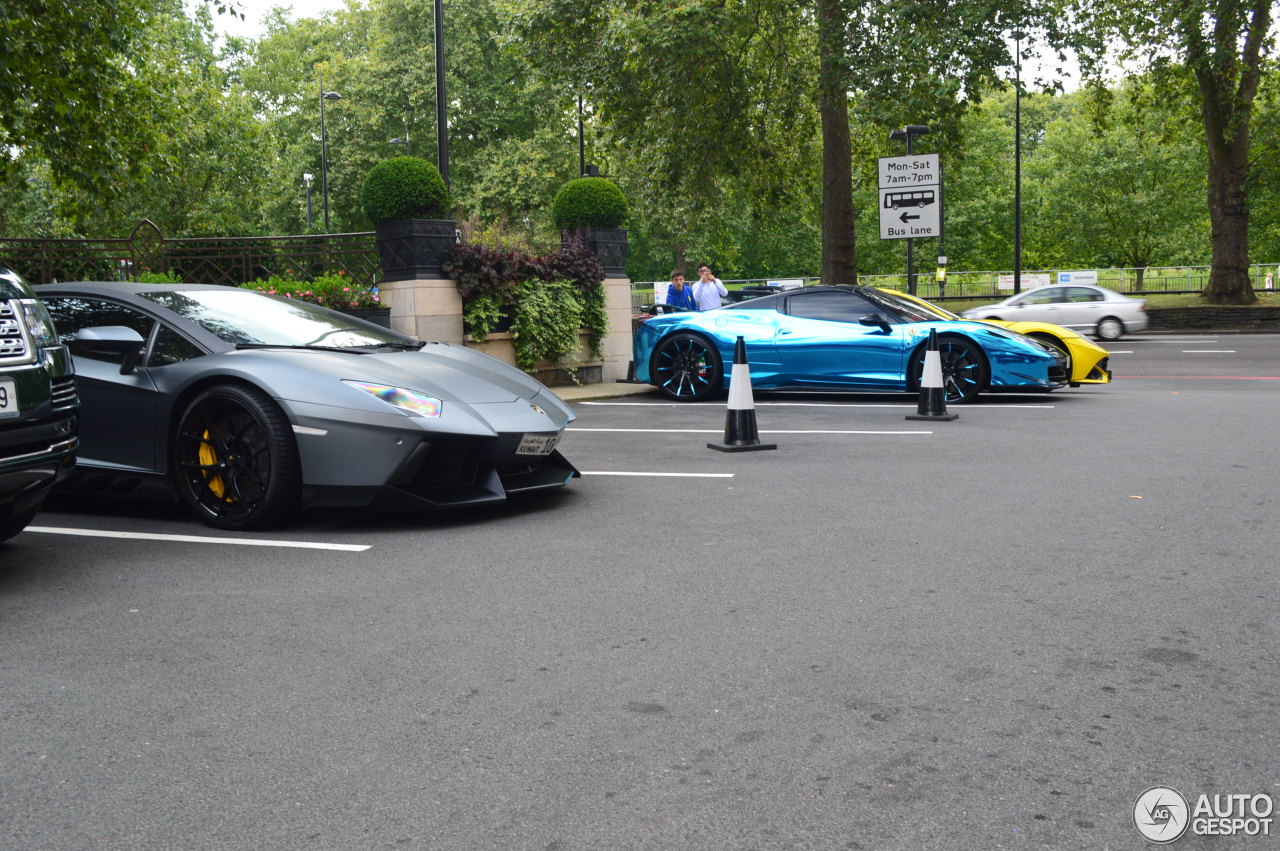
(537, 444)
(8, 398)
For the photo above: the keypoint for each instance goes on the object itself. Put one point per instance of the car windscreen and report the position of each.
(909, 310)
(244, 317)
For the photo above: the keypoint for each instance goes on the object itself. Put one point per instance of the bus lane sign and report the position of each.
(910, 196)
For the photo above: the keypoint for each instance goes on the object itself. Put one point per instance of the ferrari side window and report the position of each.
(72, 314)
(830, 306)
(172, 347)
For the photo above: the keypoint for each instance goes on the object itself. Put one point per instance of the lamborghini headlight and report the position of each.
(410, 401)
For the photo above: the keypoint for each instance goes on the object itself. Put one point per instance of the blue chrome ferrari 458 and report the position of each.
(837, 338)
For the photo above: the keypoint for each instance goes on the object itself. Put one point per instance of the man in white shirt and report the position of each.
(709, 289)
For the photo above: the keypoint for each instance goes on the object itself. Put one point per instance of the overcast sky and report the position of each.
(254, 10)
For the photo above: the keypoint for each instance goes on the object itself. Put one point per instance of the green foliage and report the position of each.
(547, 323)
(542, 295)
(482, 313)
(158, 278)
(404, 188)
(589, 202)
(332, 291)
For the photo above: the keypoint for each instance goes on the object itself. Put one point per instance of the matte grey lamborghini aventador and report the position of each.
(252, 407)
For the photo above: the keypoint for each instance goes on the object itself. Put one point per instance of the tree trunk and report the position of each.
(1226, 105)
(839, 249)
(1229, 281)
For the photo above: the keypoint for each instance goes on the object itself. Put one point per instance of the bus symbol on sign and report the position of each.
(915, 198)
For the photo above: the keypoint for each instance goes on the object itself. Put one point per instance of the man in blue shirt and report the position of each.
(679, 294)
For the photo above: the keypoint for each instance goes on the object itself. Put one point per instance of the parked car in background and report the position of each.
(37, 405)
(1086, 360)
(1085, 308)
(838, 338)
(249, 407)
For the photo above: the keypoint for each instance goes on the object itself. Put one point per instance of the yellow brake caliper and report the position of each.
(208, 458)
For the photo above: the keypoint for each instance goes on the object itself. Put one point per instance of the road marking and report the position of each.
(1119, 352)
(1174, 340)
(760, 404)
(1208, 377)
(198, 539)
(668, 475)
(721, 431)
(1208, 351)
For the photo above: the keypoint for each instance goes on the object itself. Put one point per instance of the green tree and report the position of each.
(1219, 44)
(1120, 187)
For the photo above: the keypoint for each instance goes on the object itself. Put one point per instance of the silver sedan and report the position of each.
(1084, 308)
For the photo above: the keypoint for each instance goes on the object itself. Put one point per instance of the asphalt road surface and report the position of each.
(996, 632)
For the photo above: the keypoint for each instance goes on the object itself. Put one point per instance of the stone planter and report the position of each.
(588, 369)
(414, 248)
(608, 244)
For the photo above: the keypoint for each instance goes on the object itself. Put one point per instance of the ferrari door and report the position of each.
(821, 342)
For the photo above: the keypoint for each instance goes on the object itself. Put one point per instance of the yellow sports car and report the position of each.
(1087, 361)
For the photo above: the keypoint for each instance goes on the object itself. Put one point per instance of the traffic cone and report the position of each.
(933, 396)
(740, 433)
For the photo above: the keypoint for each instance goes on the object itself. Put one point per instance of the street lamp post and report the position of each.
(398, 141)
(1017, 165)
(442, 121)
(908, 134)
(324, 151)
(307, 178)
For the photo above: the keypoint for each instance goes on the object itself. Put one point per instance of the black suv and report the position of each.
(38, 405)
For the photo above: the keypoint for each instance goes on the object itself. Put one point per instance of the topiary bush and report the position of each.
(589, 202)
(404, 188)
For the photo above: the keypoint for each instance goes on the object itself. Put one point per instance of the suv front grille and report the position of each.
(13, 345)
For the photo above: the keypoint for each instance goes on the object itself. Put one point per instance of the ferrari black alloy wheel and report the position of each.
(235, 463)
(963, 369)
(686, 367)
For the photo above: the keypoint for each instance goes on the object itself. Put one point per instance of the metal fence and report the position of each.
(236, 260)
(998, 285)
(219, 260)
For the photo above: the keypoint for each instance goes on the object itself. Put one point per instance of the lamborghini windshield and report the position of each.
(245, 317)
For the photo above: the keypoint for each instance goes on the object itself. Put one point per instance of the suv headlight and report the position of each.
(38, 322)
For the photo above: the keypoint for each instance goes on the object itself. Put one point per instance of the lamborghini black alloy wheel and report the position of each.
(235, 463)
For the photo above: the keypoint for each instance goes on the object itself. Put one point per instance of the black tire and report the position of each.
(235, 462)
(964, 369)
(1056, 344)
(15, 523)
(1109, 329)
(686, 367)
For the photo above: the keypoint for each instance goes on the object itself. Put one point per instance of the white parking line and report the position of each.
(666, 475)
(721, 431)
(198, 539)
(760, 404)
(1208, 351)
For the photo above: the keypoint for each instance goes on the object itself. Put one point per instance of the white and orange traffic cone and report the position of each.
(740, 432)
(933, 396)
